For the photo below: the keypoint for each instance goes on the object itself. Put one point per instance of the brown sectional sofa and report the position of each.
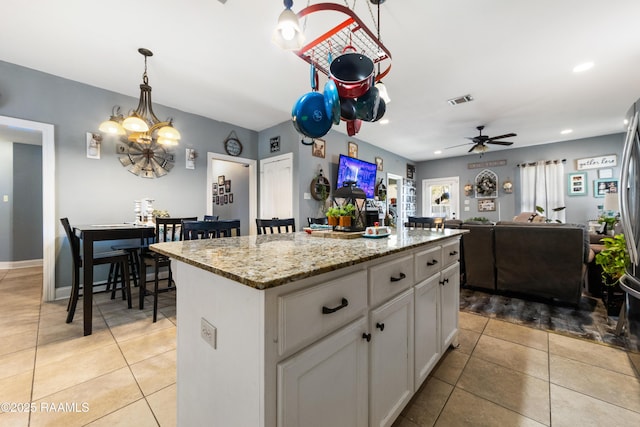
(545, 260)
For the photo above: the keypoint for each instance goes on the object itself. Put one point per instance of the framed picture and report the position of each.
(318, 149)
(217, 200)
(190, 158)
(411, 171)
(226, 199)
(379, 163)
(353, 149)
(230, 197)
(603, 186)
(605, 173)
(227, 186)
(220, 180)
(221, 189)
(486, 205)
(577, 184)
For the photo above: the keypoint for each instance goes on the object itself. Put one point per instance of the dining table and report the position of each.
(88, 235)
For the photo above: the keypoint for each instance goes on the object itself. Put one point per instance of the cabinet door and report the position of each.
(426, 327)
(326, 384)
(391, 350)
(449, 305)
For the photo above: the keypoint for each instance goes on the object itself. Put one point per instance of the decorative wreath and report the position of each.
(486, 186)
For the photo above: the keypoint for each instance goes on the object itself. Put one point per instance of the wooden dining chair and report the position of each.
(167, 230)
(276, 225)
(118, 257)
(194, 230)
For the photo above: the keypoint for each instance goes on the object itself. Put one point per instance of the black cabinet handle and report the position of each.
(327, 310)
(380, 326)
(397, 279)
(366, 336)
(434, 262)
(444, 281)
(453, 253)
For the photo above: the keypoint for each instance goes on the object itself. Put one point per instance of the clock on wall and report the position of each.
(232, 145)
(145, 160)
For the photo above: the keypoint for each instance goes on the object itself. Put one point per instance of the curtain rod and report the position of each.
(547, 162)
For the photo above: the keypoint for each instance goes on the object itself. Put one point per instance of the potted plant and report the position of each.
(347, 213)
(613, 260)
(333, 214)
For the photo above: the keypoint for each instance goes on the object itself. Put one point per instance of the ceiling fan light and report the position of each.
(135, 124)
(111, 127)
(480, 149)
(382, 91)
(169, 132)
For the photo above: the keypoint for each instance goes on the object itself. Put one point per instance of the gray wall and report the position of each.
(579, 208)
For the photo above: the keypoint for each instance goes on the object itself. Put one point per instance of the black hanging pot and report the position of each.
(353, 74)
(367, 105)
(348, 109)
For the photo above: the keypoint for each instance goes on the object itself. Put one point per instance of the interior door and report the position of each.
(441, 198)
(276, 187)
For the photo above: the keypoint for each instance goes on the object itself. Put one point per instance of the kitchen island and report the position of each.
(297, 330)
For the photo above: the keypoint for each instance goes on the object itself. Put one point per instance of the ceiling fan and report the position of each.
(480, 141)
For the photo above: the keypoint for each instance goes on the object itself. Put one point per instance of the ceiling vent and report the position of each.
(460, 100)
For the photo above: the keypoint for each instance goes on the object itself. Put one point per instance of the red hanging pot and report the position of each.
(353, 74)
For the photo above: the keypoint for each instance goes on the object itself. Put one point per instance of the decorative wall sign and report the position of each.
(145, 160)
(190, 158)
(606, 161)
(603, 186)
(93, 145)
(605, 173)
(274, 144)
(488, 164)
(577, 184)
(486, 184)
(486, 205)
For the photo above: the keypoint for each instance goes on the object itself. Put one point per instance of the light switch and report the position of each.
(467, 209)
(208, 332)
(307, 196)
(5, 198)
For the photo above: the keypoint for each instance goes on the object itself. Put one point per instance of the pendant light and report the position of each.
(142, 125)
(288, 34)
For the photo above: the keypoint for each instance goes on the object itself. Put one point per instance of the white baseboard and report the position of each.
(10, 265)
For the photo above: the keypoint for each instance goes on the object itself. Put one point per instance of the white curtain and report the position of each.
(543, 185)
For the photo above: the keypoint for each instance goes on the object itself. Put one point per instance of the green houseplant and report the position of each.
(613, 260)
(333, 213)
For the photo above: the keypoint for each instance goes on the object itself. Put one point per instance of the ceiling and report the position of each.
(216, 59)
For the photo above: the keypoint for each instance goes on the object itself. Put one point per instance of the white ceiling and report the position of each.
(515, 57)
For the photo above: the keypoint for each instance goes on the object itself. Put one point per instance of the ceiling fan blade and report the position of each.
(459, 145)
(472, 148)
(506, 135)
(500, 142)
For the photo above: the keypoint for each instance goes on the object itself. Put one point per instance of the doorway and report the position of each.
(48, 198)
(239, 190)
(441, 197)
(276, 187)
(394, 197)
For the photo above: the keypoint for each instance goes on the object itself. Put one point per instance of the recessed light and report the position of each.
(437, 152)
(626, 121)
(583, 67)
(384, 122)
(566, 131)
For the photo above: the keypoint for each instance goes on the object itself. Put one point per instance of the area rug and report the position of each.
(588, 321)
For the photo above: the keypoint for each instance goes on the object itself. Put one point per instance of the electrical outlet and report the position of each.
(208, 332)
(467, 209)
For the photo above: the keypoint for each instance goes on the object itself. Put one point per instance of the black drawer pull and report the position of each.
(366, 336)
(397, 279)
(434, 262)
(327, 310)
(380, 326)
(453, 253)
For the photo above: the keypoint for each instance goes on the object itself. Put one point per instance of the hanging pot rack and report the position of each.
(350, 32)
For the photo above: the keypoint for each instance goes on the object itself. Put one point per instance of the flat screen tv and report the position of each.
(364, 173)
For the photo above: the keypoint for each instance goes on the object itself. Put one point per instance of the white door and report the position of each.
(276, 187)
(441, 198)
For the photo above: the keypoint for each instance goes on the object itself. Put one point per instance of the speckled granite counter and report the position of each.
(267, 261)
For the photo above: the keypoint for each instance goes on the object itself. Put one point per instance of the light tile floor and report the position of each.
(125, 372)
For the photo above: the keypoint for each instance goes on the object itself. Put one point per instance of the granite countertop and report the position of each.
(271, 260)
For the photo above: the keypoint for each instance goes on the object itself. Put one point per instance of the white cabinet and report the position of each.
(391, 358)
(450, 305)
(326, 384)
(427, 327)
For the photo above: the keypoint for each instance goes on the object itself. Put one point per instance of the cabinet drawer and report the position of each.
(306, 315)
(390, 278)
(428, 263)
(451, 253)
